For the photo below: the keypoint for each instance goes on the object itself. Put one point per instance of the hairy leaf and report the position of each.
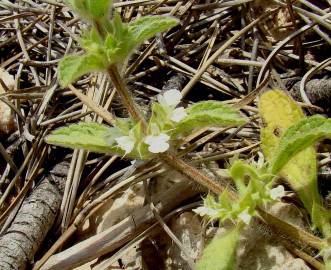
(72, 67)
(220, 254)
(91, 9)
(209, 113)
(98, 8)
(89, 136)
(119, 42)
(148, 26)
(300, 136)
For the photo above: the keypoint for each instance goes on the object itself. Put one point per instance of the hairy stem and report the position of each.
(194, 174)
(125, 95)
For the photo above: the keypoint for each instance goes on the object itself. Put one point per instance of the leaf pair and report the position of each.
(100, 138)
(112, 45)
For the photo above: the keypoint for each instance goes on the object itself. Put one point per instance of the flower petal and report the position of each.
(163, 137)
(126, 143)
(277, 192)
(172, 97)
(158, 148)
(178, 114)
(157, 144)
(205, 211)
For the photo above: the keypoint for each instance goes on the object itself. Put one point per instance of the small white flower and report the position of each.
(170, 98)
(178, 114)
(245, 216)
(157, 144)
(205, 211)
(126, 143)
(277, 192)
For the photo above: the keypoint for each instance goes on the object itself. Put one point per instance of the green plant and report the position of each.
(287, 139)
(107, 44)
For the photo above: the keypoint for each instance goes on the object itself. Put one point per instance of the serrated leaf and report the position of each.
(209, 113)
(220, 254)
(89, 136)
(72, 67)
(146, 27)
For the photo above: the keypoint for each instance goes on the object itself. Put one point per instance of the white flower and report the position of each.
(170, 98)
(126, 143)
(157, 144)
(277, 192)
(245, 216)
(205, 211)
(178, 114)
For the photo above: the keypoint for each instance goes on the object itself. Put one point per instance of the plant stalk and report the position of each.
(125, 96)
(194, 174)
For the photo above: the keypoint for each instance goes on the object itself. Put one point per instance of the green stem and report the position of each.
(125, 95)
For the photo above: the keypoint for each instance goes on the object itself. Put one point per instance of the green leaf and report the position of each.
(91, 9)
(98, 8)
(89, 136)
(220, 254)
(321, 218)
(146, 27)
(209, 113)
(160, 118)
(299, 136)
(119, 42)
(91, 40)
(124, 124)
(72, 67)
(237, 172)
